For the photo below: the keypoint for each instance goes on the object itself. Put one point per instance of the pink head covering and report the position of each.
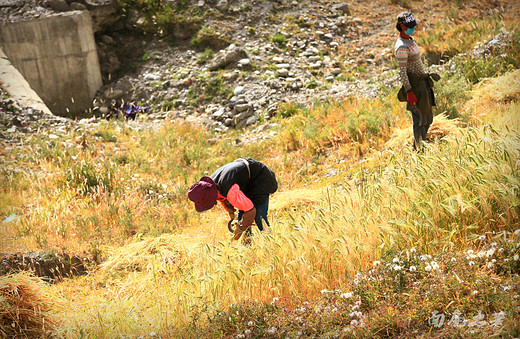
(203, 194)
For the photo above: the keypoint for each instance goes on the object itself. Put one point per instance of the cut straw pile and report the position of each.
(439, 129)
(140, 256)
(493, 90)
(24, 310)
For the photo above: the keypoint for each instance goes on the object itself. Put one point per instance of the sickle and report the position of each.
(230, 222)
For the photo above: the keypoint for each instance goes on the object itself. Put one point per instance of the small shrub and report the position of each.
(288, 109)
(279, 39)
(106, 134)
(498, 61)
(450, 94)
(207, 37)
(86, 178)
(208, 54)
(216, 87)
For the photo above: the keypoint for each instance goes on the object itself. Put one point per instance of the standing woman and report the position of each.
(416, 83)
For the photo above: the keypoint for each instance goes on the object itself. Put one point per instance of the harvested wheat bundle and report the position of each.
(149, 254)
(500, 89)
(439, 129)
(24, 310)
(495, 92)
(442, 127)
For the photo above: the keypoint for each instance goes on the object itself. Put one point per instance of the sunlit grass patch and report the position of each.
(361, 122)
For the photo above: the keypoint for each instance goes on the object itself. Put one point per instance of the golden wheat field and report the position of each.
(393, 243)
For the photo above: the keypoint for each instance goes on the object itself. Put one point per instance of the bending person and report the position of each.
(244, 185)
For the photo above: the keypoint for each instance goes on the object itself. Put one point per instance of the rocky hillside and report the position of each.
(231, 63)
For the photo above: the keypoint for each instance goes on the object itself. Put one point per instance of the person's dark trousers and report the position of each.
(261, 213)
(425, 102)
(419, 132)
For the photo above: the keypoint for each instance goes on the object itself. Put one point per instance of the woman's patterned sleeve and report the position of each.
(401, 54)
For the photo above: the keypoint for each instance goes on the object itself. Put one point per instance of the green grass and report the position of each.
(388, 245)
(279, 39)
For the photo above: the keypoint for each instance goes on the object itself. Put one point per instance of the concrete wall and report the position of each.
(57, 55)
(18, 88)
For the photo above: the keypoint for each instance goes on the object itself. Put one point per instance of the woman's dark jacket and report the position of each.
(256, 187)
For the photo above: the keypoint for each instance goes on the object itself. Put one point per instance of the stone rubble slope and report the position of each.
(331, 50)
(255, 73)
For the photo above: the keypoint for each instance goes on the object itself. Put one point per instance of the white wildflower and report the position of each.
(275, 299)
(153, 334)
(354, 323)
(517, 232)
(247, 332)
(471, 263)
(396, 260)
(482, 238)
(490, 266)
(501, 250)
(251, 323)
(346, 295)
(453, 259)
(490, 252)
(469, 252)
(356, 314)
(423, 257)
(434, 265)
(498, 318)
(428, 268)
(515, 258)
(475, 292)
(397, 268)
(324, 291)
(481, 254)
(355, 307)
(272, 330)
(493, 244)
(507, 288)
(413, 250)
(376, 263)
(240, 336)
(413, 268)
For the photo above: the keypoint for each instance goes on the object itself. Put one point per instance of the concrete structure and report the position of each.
(57, 55)
(16, 85)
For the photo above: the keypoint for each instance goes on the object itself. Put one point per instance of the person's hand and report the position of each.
(412, 99)
(239, 230)
(249, 217)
